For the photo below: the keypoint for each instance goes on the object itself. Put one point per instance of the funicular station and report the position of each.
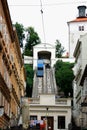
(47, 111)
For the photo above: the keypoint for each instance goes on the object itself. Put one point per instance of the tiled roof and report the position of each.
(79, 20)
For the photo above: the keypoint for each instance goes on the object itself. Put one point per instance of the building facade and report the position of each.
(77, 51)
(56, 112)
(44, 51)
(45, 104)
(12, 73)
(80, 82)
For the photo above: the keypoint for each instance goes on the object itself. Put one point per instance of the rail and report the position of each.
(59, 101)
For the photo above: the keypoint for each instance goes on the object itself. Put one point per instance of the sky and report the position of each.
(51, 25)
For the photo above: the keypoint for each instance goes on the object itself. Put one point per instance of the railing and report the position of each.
(34, 100)
(49, 80)
(27, 101)
(44, 81)
(35, 84)
(45, 84)
(54, 80)
(59, 101)
(54, 88)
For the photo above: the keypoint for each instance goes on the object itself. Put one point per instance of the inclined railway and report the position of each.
(44, 79)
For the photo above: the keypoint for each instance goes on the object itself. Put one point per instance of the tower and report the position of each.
(77, 28)
(82, 10)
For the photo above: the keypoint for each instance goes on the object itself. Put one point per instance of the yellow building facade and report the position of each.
(12, 73)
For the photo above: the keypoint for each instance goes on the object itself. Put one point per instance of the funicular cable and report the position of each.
(43, 21)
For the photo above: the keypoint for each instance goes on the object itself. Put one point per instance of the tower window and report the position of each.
(81, 28)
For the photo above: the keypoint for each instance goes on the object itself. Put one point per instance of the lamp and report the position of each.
(46, 117)
(47, 110)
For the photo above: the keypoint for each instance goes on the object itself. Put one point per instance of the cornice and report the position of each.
(8, 18)
(18, 47)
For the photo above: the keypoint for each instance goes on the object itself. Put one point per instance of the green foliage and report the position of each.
(20, 33)
(64, 76)
(59, 49)
(29, 80)
(31, 40)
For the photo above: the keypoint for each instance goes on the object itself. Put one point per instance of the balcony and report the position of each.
(61, 101)
(84, 90)
(77, 69)
(2, 43)
(58, 102)
(14, 70)
(4, 88)
(5, 55)
(7, 62)
(15, 95)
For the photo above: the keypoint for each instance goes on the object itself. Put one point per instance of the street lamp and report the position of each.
(47, 109)
(46, 117)
(1, 110)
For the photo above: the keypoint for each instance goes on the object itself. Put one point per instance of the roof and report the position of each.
(83, 19)
(42, 45)
(8, 18)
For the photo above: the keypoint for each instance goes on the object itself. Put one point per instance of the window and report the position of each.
(61, 122)
(33, 117)
(81, 28)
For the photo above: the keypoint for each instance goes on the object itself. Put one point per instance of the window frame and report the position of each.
(81, 28)
(61, 122)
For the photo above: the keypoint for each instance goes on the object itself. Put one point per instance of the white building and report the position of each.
(77, 28)
(80, 81)
(56, 111)
(44, 51)
(45, 104)
(77, 50)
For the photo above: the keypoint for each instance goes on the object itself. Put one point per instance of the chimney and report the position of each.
(82, 11)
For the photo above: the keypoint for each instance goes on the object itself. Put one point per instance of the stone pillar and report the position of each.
(25, 116)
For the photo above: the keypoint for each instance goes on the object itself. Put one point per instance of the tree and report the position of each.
(31, 40)
(20, 32)
(64, 77)
(59, 49)
(29, 80)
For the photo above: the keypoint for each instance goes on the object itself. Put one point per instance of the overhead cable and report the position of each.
(52, 4)
(42, 21)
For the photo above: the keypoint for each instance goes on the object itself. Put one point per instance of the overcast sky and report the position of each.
(56, 14)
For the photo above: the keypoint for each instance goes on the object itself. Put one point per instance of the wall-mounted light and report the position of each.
(47, 108)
